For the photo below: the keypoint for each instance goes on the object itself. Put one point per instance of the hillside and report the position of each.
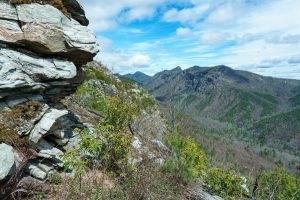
(265, 109)
(71, 130)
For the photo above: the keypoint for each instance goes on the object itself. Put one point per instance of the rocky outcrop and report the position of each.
(7, 162)
(42, 51)
(44, 29)
(76, 11)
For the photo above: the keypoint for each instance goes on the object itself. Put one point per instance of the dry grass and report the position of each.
(55, 3)
(148, 181)
(15, 119)
(73, 188)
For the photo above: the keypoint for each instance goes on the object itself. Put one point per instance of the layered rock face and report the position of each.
(41, 54)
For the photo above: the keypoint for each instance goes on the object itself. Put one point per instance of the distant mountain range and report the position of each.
(267, 108)
(139, 77)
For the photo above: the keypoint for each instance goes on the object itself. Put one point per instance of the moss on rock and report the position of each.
(14, 120)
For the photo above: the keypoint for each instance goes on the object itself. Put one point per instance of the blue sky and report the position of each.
(261, 36)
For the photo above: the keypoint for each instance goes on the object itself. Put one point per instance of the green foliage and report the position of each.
(266, 97)
(124, 85)
(119, 113)
(94, 99)
(226, 184)
(114, 130)
(146, 102)
(283, 127)
(90, 97)
(99, 75)
(295, 101)
(55, 178)
(127, 83)
(244, 111)
(188, 161)
(73, 160)
(278, 185)
(117, 151)
(111, 142)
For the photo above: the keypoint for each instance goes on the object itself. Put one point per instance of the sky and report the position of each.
(261, 36)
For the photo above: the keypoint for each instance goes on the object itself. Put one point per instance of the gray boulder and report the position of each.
(49, 150)
(47, 31)
(19, 70)
(7, 161)
(199, 194)
(45, 124)
(39, 170)
(206, 196)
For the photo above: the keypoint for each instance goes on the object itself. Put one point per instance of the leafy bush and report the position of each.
(111, 142)
(90, 97)
(118, 113)
(278, 185)
(226, 184)
(188, 161)
(147, 102)
(100, 75)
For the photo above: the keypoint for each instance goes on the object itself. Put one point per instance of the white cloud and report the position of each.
(211, 38)
(118, 60)
(183, 32)
(294, 59)
(225, 13)
(106, 15)
(187, 15)
(265, 34)
(284, 39)
(140, 60)
(267, 31)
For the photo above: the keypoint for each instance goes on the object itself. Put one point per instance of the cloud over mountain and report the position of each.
(240, 33)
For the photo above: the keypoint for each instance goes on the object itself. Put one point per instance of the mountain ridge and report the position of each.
(263, 108)
(138, 76)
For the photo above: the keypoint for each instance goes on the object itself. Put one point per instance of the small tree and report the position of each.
(188, 161)
(227, 184)
(277, 184)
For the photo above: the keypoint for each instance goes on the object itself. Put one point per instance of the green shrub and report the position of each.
(119, 113)
(188, 161)
(226, 184)
(55, 178)
(146, 102)
(111, 142)
(99, 75)
(278, 185)
(90, 97)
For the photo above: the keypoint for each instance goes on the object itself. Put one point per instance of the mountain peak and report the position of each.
(138, 76)
(176, 69)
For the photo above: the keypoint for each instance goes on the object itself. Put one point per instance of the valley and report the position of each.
(256, 117)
